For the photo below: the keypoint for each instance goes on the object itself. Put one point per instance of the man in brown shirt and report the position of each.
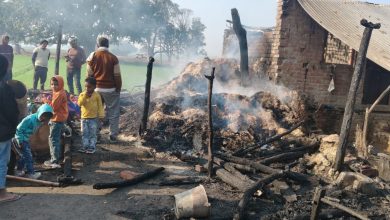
(75, 59)
(104, 67)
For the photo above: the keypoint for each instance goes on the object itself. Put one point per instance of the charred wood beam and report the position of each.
(144, 122)
(263, 168)
(183, 181)
(231, 168)
(315, 209)
(257, 166)
(282, 157)
(249, 193)
(210, 124)
(66, 178)
(350, 105)
(67, 157)
(242, 152)
(345, 209)
(130, 182)
(242, 40)
(317, 204)
(307, 149)
(228, 174)
(232, 179)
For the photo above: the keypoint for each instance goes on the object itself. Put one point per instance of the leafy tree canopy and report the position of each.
(158, 25)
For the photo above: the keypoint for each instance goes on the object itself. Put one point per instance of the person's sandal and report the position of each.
(13, 198)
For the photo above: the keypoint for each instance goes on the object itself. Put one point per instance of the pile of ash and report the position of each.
(242, 116)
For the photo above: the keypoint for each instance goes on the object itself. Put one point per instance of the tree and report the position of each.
(158, 25)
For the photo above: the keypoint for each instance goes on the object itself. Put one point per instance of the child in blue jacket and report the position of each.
(25, 129)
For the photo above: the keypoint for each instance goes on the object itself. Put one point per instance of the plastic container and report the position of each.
(192, 203)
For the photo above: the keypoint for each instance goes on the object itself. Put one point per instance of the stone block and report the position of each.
(200, 169)
(384, 166)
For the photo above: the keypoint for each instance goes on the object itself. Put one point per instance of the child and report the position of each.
(91, 109)
(8, 121)
(60, 110)
(23, 132)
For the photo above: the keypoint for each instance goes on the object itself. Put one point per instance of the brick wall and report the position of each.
(297, 57)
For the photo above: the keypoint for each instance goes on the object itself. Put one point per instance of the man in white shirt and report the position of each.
(40, 60)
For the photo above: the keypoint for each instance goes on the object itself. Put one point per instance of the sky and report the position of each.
(214, 13)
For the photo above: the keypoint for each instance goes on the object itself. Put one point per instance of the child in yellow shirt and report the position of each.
(91, 111)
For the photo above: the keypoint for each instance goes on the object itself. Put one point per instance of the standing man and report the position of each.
(8, 121)
(104, 67)
(75, 59)
(40, 60)
(7, 51)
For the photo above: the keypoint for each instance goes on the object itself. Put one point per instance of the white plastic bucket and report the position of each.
(192, 203)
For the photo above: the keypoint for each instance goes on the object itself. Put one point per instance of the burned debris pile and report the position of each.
(178, 120)
(266, 143)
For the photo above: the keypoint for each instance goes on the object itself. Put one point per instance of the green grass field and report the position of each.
(133, 75)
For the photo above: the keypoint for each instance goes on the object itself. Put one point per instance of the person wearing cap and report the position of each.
(40, 60)
(7, 51)
(75, 58)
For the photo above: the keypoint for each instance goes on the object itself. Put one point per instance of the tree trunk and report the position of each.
(241, 35)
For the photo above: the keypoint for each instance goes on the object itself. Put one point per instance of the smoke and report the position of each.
(236, 106)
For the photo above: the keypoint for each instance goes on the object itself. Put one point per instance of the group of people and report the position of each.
(102, 85)
(75, 58)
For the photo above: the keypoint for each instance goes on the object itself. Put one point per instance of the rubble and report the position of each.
(301, 157)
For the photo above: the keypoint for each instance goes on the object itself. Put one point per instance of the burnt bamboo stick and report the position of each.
(350, 105)
(148, 83)
(210, 125)
(135, 180)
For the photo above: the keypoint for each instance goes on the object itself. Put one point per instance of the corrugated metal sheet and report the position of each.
(342, 19)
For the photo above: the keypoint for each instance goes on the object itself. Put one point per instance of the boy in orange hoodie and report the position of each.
(60, 109)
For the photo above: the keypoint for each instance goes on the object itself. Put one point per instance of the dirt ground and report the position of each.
(146, 200)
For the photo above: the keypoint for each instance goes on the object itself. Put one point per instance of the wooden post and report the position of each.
(67, 157)
(349, 107)
(144, 122)
(315, 209)
(211, 134)
(366, 116)
(58, 51)
(241, 35)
